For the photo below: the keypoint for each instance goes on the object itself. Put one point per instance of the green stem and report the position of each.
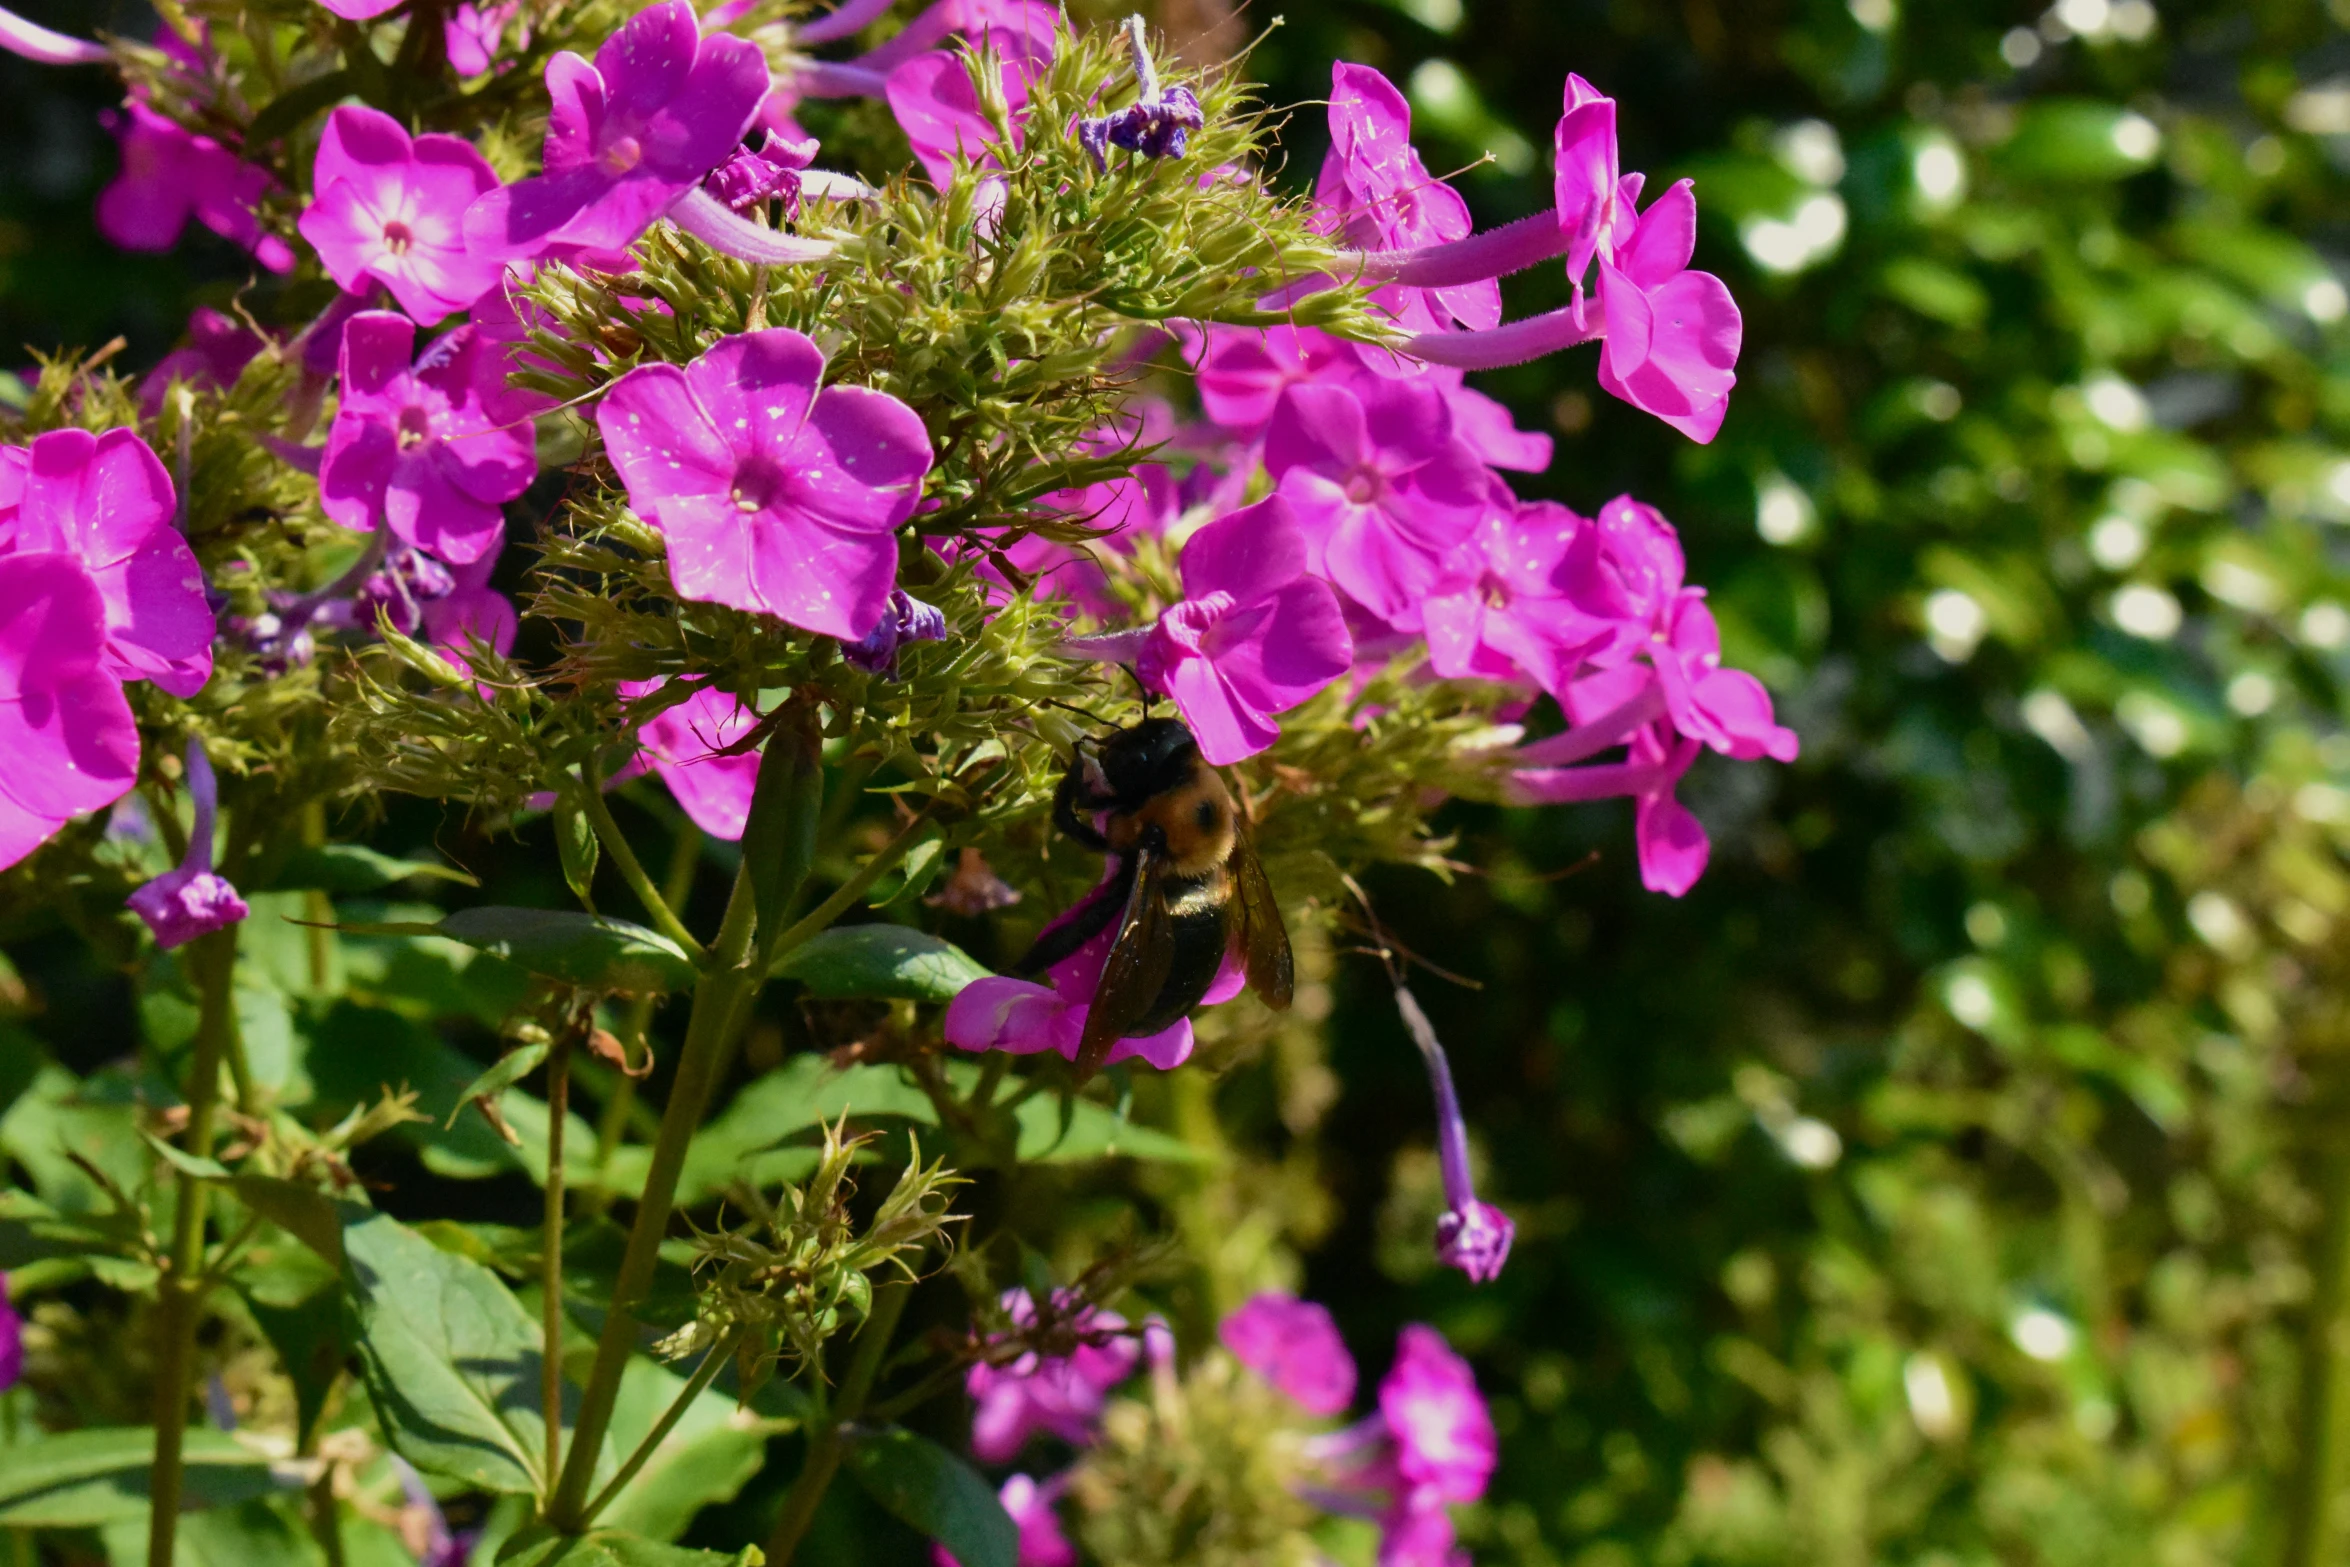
(181, 1290)
(721, 1001)
(685, 856)
(551, 1256)
(704, 1374)
(326, 1517)
(827, 1445)
(832, 908)
(632, 869)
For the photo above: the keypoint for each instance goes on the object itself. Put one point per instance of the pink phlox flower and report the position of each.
(1242, 371)
(1034, 1510)
(1442, 1433)
(359, 10)
(1626, 571)
(415, 447)
(1057, 1395)
(775, 497)
(1380, 485)
(1144, 500)
(12, 1352)
(1672, 844)
(216, 353)
(191, 899)
(1025, 1018)
(169, 175)
(659, 108)
(475, 35)
(1294, 1345)
(1253, 635)
(1384, 198)
(683, 742)
(1727, 709)
(1594, 210)
(935, 97)
(946, 18)
(471, 611)
(1672, 334)
(106, 501)
(750, 179)
(1501, 610)
(390, 208)
(502, 320)
(1486, 428)
(68, 743)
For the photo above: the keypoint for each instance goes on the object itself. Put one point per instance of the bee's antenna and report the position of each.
(1148, 695)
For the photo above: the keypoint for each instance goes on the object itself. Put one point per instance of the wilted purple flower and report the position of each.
(1471, 1236)
(1158, 124)
(1061, 1395)
(775, 497)
(169, 175)
(906, 620)
(749, 179)
(1253, 635)
(415, 447)
(1294, 1345)
(191, 900)
(628, 135)
(391, 208)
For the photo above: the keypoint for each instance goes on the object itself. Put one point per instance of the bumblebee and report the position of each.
(1185, 887)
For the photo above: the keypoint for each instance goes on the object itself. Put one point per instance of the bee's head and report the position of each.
(1153, 756)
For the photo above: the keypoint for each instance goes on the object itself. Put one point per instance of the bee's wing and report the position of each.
(1136, 970)
(1264, 940)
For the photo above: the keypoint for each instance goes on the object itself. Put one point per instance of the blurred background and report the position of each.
(1959, 1174)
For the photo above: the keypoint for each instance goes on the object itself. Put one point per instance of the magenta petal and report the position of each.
(1697, 334)
(1486, 427)
(1317, 426)
(1003, 1014)
(68, 743)
(575, 93)
(683, 741)
(425, 509)
(861, 459)
(660, 439)
(1227, 728)
(356, 472)
(1665, 240)
(1249, 553)
(1584, 182)
(1673, 847)
(644, 65)
(757, 386)
(1293, 1344)
(720, 99)
(1630, 323)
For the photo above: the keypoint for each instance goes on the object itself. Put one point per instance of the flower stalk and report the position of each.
(828, 1443)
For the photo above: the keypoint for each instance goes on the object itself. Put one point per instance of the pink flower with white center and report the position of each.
(1672, 334)
(106, 501)
(682, 745)
(628, 135)
(1059, 1395)
(1444, 1443)
(1033, 1508)
(1381, 487)
(169, 175)
(68, 743)
(1253, 635)
(391, 208)
(937, 102)
(413, 446)
(775, 497)
(1385, 198)
(192, 899)
(1024, 1018)
(1294, 1345)
(1500, 610)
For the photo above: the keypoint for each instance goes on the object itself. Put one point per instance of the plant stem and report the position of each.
(826, 1445)
(181, 1290)
(551, 1255)
(632, 870)
(721, 999)
(706, 1373)
(685, 855)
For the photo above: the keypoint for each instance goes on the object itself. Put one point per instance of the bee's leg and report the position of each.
(1073, 808)
(1085, 919)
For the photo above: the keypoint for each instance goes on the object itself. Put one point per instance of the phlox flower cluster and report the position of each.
(1428, 1446)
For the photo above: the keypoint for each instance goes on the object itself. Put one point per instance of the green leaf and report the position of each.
(85, 1479)
(924, 1485)
(312, 1344)
(259, 1533)
(512, 1068)
(796, 1096)
(348, 869)
(587, 950)
(890, 961)
(705, 1459)
(542, 1547)
(30, 1232)
(1073, 1131)
(188, 1164)
(920, 870)
(576, 848)
(304, 1212)
(296, 104)
(2080, 139)
(450, 1357)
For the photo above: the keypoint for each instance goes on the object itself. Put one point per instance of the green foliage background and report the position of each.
(1955, 1176)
